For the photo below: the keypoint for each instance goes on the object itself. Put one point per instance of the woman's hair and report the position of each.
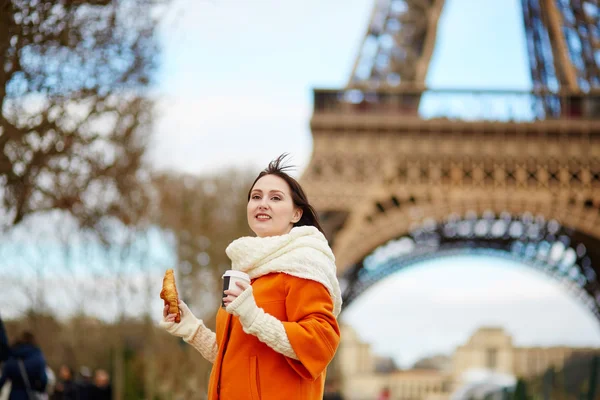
(276, 167)
(26, 337)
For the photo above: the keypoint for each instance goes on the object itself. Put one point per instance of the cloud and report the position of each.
(95, 295)
(239, 97)
(221, 108)
(206, 134)
(463, 280)
(435, 306)
(498, 293)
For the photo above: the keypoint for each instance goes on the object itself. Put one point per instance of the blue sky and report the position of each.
(235, 91)
(236, 80)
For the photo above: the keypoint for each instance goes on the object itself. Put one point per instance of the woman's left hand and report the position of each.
(232, 294)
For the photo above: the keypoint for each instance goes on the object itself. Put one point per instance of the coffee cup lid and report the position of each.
(237, 274)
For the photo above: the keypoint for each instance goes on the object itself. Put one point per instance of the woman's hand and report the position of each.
(240, 302)
(232, 294)
(171, 317)
(186, 328)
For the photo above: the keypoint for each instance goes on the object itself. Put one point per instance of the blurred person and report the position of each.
(385, 394)
(84, 384)
(26, 369)
(102, 389)
(332, 391)
(274, 337)
(65, 386)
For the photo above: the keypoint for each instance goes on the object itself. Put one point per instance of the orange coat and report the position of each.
(246, 368)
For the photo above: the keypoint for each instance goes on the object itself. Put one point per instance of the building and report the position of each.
(489, 354)
(357, 366)
(491, 348)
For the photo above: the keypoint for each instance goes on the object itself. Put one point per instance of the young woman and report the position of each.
(25, 368)
(276, 336)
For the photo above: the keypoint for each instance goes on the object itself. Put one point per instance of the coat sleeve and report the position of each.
(312, 329)
(205, 341)
(41, 376)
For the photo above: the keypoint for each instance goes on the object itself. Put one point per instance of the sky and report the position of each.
(235, 85)
(235, 91)
(432, 307)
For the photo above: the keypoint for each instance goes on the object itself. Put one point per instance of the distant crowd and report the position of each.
(82, 387)
(25, 374)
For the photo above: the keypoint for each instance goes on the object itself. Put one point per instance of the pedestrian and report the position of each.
(332, 391)
(385, 394)
(274, 337)
(84, 384)
(25, 368)
(102, 389)
(65, 386)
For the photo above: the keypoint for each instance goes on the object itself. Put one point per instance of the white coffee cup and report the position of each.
(230, 277)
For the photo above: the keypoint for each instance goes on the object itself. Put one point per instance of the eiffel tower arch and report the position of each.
(508, 173)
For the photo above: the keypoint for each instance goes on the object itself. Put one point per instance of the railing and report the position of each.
(460, 104)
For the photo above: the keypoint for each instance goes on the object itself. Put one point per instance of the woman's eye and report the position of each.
(275, 198)
(256, 197)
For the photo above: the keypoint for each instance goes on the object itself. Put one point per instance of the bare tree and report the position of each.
(204, 214)
(116, 269)
(75, 113)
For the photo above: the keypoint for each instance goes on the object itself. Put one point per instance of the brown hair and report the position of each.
(26, 337)
(276, 167)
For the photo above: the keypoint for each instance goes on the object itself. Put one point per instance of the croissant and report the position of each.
(169, 294)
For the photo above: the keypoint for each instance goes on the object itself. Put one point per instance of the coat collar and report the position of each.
(303, 252)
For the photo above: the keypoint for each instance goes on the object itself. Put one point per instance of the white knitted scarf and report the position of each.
(303, 253)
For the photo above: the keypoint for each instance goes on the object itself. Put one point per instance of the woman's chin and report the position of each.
(266, 232)
(261, 231)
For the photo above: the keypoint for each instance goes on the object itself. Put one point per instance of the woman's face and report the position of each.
(64, 372)
(271, 210)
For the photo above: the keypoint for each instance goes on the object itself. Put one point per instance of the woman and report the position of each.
(25, 368)
(276, 336)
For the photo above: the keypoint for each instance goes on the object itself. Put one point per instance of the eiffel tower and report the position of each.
(513, 174)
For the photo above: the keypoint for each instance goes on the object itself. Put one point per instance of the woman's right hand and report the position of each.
(187, 326)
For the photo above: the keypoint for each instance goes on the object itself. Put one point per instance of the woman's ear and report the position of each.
(297, 215)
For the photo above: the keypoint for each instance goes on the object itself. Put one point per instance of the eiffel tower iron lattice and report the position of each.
(563, 41)
(508, 173)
